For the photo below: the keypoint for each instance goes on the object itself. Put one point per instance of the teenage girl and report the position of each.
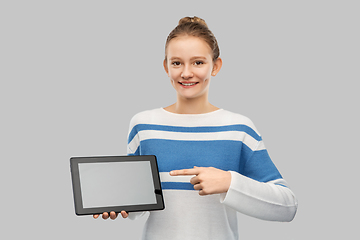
(212, 162)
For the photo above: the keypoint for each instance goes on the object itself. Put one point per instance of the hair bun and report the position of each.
(194, 27)
(192, 20)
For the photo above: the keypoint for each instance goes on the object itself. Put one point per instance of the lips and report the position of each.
(188, 84)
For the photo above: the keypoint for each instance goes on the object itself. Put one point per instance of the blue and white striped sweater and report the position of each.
(235, 147)
(219, 139)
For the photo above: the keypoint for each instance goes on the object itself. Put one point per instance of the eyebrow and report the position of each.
(196, 57)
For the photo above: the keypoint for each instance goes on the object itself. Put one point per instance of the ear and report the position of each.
(166, 67)
(217, 66)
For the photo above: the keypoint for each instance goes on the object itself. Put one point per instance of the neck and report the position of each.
(191, 106)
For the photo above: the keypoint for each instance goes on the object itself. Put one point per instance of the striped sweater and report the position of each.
(219, 139)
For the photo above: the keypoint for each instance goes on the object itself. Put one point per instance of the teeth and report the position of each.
(188, 84)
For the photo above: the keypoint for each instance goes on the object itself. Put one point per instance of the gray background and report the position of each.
(73, 73)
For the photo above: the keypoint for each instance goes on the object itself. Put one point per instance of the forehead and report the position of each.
(187, 46)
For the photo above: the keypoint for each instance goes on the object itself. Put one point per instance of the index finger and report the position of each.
(191, 171)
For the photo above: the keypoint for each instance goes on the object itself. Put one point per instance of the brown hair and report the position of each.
(196, 27)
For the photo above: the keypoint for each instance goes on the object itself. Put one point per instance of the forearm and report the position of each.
(266, 201)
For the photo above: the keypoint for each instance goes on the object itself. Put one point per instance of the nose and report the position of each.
(187, 73)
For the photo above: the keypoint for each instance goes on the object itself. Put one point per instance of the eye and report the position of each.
(197, 63)
(176, 63)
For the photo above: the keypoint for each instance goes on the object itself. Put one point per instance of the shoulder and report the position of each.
(146, 113)
(145, 116)
(232, 118)
(236, 118)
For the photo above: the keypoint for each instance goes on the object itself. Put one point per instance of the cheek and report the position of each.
(204, 75)
(173, 74)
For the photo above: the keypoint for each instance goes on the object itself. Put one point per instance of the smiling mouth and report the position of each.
(188, 84)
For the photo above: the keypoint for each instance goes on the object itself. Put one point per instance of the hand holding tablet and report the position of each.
(112, 215)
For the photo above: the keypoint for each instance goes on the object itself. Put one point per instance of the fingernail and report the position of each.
(171, 173)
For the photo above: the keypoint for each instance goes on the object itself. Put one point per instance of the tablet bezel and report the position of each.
(75, 176)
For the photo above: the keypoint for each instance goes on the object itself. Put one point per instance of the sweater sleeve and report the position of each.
(257, 189)
(132, 149)
(268, 201)
(133, 138)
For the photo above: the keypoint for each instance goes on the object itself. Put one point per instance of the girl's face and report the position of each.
(189, 66)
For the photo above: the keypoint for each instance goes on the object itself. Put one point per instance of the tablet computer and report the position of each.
(116, 183)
